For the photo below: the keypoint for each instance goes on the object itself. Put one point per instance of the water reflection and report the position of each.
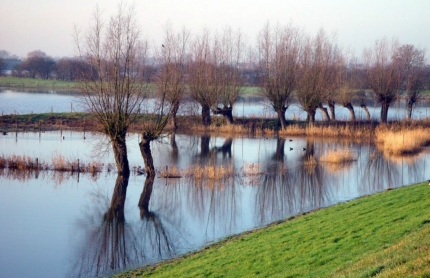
(137, 220)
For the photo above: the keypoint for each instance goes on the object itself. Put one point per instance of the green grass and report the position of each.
(36, 83)
(384, 235)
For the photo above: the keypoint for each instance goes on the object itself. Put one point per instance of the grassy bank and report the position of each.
(37, 84)
(387, 234)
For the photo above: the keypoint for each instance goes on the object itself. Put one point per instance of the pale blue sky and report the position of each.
(27, 25)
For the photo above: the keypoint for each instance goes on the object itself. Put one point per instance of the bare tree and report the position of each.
(316, 74)
(170, 81)
(411, 63)
(114, 49)
(230, 46)
(383, 75)
(279, 50)
(203, 77)
(346, 83)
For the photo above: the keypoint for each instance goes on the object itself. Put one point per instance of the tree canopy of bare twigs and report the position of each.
(316, 74)
(203, 76)
(230, 47)
(172, 55)
(114, 49)
(280, 51)
(346, 83)
(383, 74)
(411, 63)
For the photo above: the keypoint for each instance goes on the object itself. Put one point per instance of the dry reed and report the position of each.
(338, 156)
(351, 131)
(403, 141)
(213, 172)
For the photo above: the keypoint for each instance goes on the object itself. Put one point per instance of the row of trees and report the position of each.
(291, 65)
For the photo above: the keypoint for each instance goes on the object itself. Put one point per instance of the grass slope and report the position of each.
(387, 234)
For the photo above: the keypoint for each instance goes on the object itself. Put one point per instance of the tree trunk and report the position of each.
(366, 111)
(120, 153)
(409, 109)
(281, 118)
(325, 113)
(226, 112)
(351, 110)
(206, 115)
(174, 112)
(311, 116)
(145, 150)
(384, 111)
(116, 209)
(332, 110)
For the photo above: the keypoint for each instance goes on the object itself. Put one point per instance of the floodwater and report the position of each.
(52, 224)
(17, 102)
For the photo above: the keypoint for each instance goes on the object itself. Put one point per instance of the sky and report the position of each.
(48, 25)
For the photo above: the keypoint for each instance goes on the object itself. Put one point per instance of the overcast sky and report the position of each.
(47, 25)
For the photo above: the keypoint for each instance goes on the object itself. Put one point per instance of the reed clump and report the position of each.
(338, 156)
(213, 172)
(19, 162)
(402, 141)
(171, 172)
(351, 131)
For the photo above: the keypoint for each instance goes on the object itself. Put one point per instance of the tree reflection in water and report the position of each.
(110, 244)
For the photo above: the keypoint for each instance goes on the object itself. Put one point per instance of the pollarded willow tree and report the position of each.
(383, 74)
(203, 77)
(316, 74)
(115, 51)
(230, 47)
(411, 63)
(170, 81)
(279, 51)
(346, 83)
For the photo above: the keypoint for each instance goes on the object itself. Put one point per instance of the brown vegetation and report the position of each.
(338, 156)
(402, 140)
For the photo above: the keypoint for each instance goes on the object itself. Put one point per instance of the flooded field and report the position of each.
(53, 223)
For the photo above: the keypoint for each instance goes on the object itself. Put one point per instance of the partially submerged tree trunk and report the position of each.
(174, 112)
(206, 115)
(120, 153)
(409, 108)
(351, 111)
(116, 209)
(384, 111)
(311, 116)
(281, 117)
(366, 111)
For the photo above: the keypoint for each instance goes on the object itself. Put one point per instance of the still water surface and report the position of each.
(52, 224)
(12, 102)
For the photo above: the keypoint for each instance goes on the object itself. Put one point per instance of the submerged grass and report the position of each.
(386, 234)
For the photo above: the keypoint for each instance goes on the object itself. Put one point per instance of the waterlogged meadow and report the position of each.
(207, 187)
